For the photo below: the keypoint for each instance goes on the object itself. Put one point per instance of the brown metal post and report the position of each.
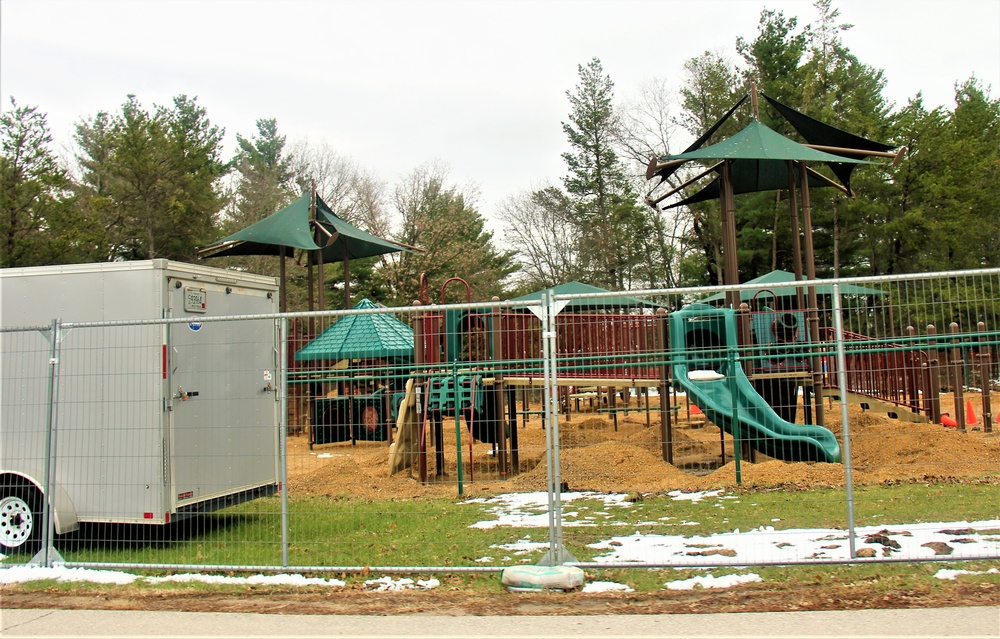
(815, 362)
(312, 298)
(347, 275)
(666, 425)
(496, 341)
(730, 259)
(984, 377)
(934, 377)
(418, 361)
(793, 211)
(957, 366)
(283, 293)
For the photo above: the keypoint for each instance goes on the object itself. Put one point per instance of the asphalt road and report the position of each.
(941, 622)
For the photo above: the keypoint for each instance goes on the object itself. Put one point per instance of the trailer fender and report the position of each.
(63, 511)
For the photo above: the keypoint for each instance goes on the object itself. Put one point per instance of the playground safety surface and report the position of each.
(597, 456)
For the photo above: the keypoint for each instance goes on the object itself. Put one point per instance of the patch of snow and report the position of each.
(388, 584)
(945, 573)
(606, 586)
(711, 581)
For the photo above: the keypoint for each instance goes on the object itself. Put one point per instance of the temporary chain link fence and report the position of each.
(778, 422)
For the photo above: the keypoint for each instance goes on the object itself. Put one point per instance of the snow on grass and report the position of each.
(531, 510)
(945, 573)
(606, 586)
(710, 581)
(388, 584)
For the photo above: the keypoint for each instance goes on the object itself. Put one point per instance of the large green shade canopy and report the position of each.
(781, 284)
(761, 159)
(749, 176)
(292, 228)
(610, 300)
(375, 336)
(757, 141)
(822, 134)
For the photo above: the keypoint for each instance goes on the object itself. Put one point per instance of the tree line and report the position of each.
(153, 182)
(936, 210)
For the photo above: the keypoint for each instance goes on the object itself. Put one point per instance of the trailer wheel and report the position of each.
(20, 519)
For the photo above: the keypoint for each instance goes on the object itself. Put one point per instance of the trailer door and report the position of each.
(223, 411)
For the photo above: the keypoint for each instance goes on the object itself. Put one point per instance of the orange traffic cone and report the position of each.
(946, 420)
(695, 410)
(970, 415)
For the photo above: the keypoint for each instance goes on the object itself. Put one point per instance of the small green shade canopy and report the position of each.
(290, 228)
(579, 288)
(374, 336)
(777, 282)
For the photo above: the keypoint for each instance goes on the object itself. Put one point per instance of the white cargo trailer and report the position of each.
(153, 422)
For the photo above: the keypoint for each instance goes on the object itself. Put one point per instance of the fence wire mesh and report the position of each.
(771, 423)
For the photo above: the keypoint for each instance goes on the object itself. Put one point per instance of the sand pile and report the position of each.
(595, 455)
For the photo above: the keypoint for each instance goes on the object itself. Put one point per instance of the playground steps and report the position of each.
(893, 411)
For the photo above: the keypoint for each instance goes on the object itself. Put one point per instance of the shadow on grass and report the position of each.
(132, 537)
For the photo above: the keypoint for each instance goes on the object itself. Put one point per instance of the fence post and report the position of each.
(557, 553)
(838, 327)
(47, 554)
(283, 431)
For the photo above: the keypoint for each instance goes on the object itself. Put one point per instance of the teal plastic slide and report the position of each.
(702, 342)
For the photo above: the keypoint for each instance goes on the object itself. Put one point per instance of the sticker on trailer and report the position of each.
(195, 299)
(267, 375)
(195, 326)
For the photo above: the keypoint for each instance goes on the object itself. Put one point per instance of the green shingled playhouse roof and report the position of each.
(372, 336)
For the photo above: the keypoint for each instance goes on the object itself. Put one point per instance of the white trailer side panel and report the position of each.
(120, 444)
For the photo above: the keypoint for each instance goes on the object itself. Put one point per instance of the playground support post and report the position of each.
(497, 396)
(957, 381)
(984, 377)
(934, 376)
(663, 348)
(838, 324)
(734, 362)
(814, 362)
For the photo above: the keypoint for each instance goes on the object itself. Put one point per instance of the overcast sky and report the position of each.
(477, 84)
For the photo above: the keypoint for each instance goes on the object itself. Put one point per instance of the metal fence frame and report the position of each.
(548, 311)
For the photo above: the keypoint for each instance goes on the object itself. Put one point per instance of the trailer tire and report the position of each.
(20, 519)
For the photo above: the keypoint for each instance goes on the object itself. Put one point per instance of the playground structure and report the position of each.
(745, 365)
(476, 364)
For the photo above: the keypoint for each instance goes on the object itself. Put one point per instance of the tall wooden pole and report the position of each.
(283, 291)
(730, 261)
(793, 213)
(347, 274)
(815, 364)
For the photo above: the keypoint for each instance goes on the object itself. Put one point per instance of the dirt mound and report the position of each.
(598, 455)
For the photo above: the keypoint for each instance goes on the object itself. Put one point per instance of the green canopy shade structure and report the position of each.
(759, 159)
(829, 138)
(307, 224)
(757, 141)
(376, 336)
(781, 284)
(578, 288)
(293, 227)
